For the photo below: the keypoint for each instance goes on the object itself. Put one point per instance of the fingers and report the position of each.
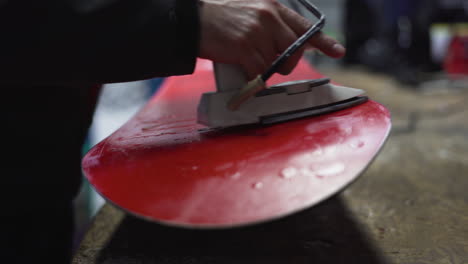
(283, 39)
(297, 23)
(253, 63)
(263, 50)
(300, 25)
(291, 63)
(327, 45)
(262, 39)
(285, 27)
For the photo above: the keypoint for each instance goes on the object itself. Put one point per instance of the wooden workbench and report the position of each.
(411, 206)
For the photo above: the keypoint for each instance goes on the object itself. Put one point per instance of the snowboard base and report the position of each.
(164, 167)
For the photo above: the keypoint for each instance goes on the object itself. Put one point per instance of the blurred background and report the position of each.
(416, 49)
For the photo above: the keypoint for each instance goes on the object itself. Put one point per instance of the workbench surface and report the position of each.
(411, 206)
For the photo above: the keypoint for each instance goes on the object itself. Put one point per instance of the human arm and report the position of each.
(73, 41)
(100, 41)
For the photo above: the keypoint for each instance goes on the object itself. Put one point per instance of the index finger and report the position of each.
(300, 25)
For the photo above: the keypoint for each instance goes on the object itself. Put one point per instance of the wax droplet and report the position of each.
(258, 185)
(330, 170)
(348, 130)
(317, 152)
(357, 144)
(236, 176)
(224, 166)
(330, 150)
(195, 168)
(288, 173)
(307, 172)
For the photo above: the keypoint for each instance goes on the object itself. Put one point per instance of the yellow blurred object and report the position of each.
(460, 29)
(246, 92)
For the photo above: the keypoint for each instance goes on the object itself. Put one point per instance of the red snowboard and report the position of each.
(163, 166)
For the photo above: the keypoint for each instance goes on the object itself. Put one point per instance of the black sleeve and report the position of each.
(96, 41)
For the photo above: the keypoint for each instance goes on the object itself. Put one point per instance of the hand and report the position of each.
(253, 33)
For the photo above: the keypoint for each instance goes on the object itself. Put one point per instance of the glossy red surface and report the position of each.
(163, 166)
